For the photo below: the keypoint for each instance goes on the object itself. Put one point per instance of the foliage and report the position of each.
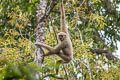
(93, 24)
(19, 72)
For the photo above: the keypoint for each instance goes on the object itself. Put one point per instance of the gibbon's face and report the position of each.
(62, 36)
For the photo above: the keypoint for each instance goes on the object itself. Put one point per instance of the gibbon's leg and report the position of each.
(56, 51)
(65, 58)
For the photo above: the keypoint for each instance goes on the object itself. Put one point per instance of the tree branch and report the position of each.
(65, 73)
(108, 55)
(48, 10)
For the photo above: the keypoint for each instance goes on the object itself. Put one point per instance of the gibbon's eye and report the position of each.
(60, 35)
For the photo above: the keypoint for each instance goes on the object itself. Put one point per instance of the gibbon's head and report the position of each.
(61, 36)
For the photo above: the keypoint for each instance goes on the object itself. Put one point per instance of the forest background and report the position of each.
(94, 27)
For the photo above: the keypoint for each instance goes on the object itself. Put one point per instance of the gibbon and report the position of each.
(64, 48)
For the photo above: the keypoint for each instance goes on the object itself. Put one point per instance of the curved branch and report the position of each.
(108, 55)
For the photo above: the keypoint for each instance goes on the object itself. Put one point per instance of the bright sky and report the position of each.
(118, 43)
(118, 51)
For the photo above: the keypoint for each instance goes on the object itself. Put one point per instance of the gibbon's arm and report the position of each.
(60, 46)
(51, 49)
(63, 21)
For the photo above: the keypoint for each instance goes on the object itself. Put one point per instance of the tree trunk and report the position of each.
(42, 13)
(40, 30)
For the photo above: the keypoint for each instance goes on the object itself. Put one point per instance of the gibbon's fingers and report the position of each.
(38, 43)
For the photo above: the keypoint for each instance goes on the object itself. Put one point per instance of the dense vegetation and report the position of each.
(94, 27)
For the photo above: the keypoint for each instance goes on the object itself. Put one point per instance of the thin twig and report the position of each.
(82, 3)
(53, 75)
(88, 64)
(53, 29)
(65, 72)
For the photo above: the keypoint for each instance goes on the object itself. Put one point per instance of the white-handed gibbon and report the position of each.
(64, 48)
